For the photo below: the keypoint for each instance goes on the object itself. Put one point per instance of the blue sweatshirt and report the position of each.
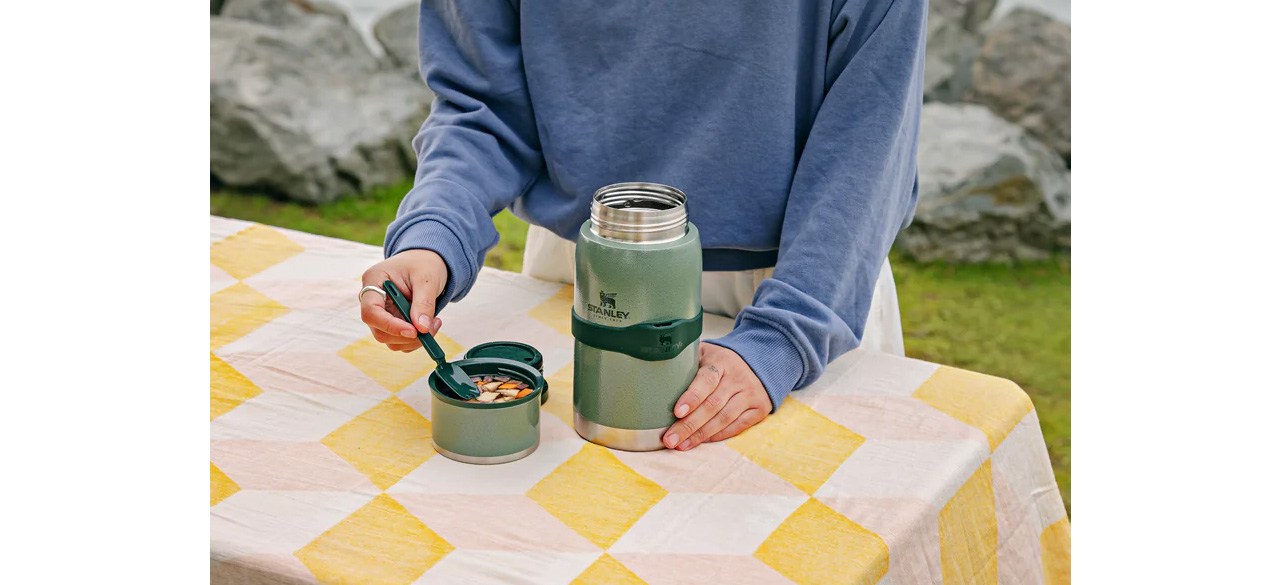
(791, 125)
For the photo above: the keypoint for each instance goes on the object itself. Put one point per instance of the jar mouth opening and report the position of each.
(640, 197)
(639, 212)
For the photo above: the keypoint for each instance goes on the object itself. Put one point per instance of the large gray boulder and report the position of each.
(281, 13)
(397, 32)
(988, 190)
(948, 60)
(1023, 72)
(969, 14)
(953, 43)
(304, 109)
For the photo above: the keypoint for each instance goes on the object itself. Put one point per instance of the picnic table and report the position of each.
(887, 470)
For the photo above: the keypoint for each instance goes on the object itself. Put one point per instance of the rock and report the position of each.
(397, 32)
(969, 14)
(953, 44)
(280, 12)
(305, 110)
(988, 190)
(1023, 72)
(948, 60)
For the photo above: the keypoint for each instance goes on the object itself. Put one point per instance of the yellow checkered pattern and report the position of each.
(888, 470)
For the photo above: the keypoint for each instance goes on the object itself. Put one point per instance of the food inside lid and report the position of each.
(498, 389)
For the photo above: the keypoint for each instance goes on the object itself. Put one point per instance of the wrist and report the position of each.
(770, 354)
(433, 243)
(430, 260)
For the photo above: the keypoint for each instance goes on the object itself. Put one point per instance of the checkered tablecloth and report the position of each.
(888, 470)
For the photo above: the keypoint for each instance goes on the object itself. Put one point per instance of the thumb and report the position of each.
(423, 306)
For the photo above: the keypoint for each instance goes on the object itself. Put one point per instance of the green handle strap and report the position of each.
(653, 341)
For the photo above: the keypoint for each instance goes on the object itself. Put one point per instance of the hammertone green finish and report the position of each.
(487, 430)
(620, 284)
(654, 341)
(619, 391)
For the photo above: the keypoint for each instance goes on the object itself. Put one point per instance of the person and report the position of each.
(792, 127)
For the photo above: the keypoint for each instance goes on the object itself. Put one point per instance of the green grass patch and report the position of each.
(1012, 321)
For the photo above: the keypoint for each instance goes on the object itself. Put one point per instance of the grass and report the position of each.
(1012, 321)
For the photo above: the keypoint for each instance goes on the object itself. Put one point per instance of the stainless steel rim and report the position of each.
(624, 439)
(485, 460)
(642, 213)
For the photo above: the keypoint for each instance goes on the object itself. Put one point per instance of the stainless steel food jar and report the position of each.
(637, 314)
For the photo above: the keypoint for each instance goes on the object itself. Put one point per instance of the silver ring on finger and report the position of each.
(360, 295)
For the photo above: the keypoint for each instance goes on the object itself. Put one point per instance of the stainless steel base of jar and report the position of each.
(623, 439)
(486, 460)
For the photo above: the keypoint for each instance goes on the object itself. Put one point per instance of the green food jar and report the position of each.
(637, 314)
(486, 432)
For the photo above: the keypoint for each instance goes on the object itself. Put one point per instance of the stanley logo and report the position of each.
(608, 307)
(666, 348)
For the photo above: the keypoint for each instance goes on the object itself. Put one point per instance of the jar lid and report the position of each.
(512, 350)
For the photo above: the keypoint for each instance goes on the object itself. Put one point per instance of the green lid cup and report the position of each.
(486, 433)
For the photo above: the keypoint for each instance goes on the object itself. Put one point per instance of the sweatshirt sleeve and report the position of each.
(853, 191)
(478, 149)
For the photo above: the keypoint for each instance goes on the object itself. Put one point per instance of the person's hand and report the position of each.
(421, 276)
(724, 399)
